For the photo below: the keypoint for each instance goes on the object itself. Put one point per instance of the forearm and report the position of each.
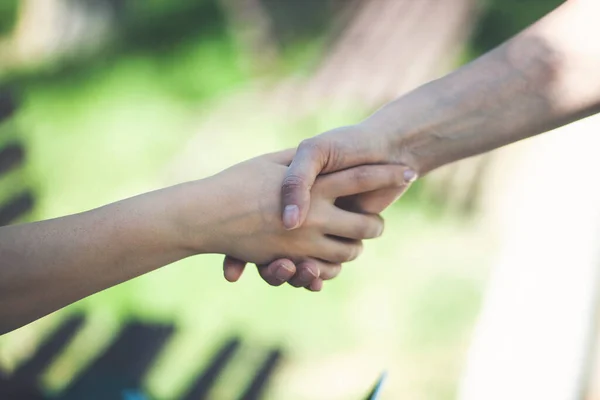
(47, 265)
(546, 77)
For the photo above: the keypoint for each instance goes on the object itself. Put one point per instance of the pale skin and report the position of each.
(47, 265)
(544, 78)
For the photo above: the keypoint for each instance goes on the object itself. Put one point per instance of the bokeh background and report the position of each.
(118, 97)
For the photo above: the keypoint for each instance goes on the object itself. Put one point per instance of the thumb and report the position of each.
(309, 161)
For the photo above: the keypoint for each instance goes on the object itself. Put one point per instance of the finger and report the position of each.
(373, 202)
(278, 272)
(310, 159)
(351, 225)
(338, 251)
(307, 271)
(329, 271)
(316, 285)
(326, 270)
(233, 268)
(365, 178)
(378, 200)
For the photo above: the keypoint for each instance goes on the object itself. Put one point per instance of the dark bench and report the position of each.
(118, 373)
(20, 200)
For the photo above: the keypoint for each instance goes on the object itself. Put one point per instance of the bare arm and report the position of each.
(47, 265)
(545, 77)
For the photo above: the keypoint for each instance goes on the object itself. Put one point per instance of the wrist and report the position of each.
(399, 139)
(192, 217)
(141, 232)
(432, 126)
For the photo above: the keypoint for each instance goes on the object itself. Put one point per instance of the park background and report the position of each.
(118, 97)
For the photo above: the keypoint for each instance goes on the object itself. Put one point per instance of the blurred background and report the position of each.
(117, 97)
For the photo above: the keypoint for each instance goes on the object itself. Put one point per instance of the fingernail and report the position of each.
(291, 216)
(283, 273)
(307, 275)
(410, 175)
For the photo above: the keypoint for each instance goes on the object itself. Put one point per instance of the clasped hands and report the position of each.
(330, 190)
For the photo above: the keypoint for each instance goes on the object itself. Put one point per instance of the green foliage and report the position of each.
(158, 25)
(299, 21)
(8, 15)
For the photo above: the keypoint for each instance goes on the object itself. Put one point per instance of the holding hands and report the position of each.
(49, 264)
(310, 210)
(341, 206)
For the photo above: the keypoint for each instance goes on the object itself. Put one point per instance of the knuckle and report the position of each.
(312, 224)
(293, 181)
(311, 145)
(341, 255)
(319, 150)
(370, 228)
(315, 220)
(350, 253)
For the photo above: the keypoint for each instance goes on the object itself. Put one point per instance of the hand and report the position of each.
(311, 273)
(246, 225)
(332, 151)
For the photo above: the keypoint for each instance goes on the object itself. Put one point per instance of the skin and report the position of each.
(47, 265)
(310, 273)
(544, 78)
